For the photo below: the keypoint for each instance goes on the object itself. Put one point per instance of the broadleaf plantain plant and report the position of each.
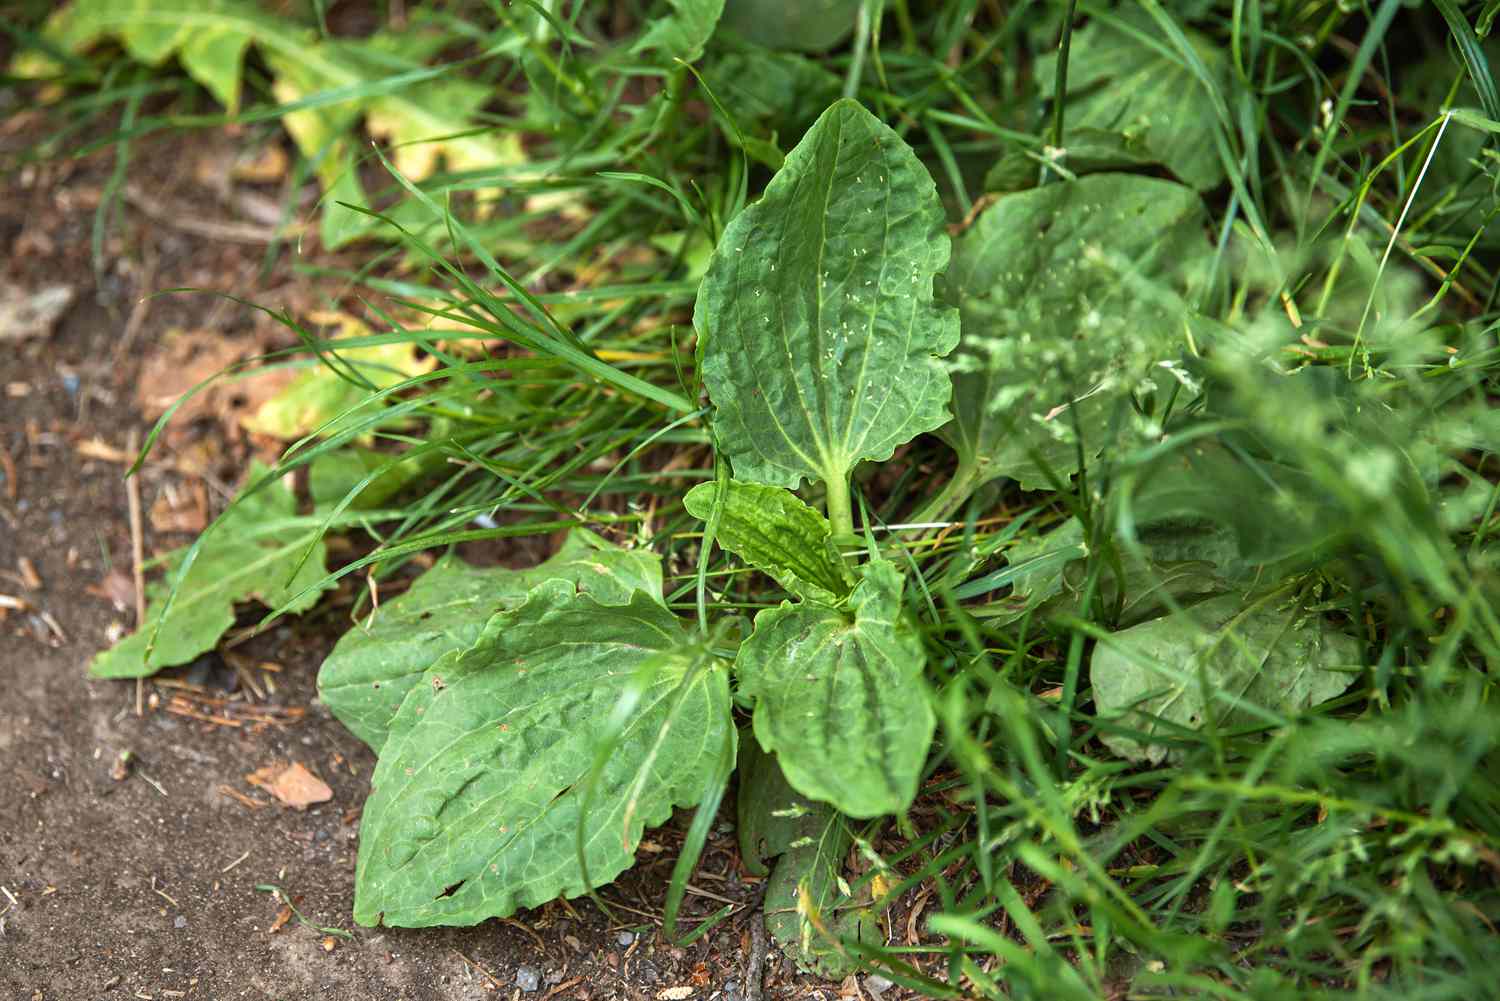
(489, 731)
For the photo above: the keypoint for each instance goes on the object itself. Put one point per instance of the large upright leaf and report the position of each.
(821, 340)
(1070, 294)
(378, 661)
(1171, 675)
(250, 552)
(1127, 76)
(773, 531)
(478, 795)
(838, 696)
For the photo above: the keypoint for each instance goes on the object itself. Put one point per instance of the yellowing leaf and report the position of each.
(322, 394)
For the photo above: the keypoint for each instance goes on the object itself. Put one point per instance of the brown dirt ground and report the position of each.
(148, 886)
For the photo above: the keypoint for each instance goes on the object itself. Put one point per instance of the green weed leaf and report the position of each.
(685, 32)
(821, 338)
(773, 531)
(838, 696)
(805, 25)
(249, 553)
(1125, 77)
(380, 660)
(1171, 675)
(477, 796)
(1070, 294)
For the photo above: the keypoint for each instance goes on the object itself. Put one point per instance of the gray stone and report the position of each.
(528, 978)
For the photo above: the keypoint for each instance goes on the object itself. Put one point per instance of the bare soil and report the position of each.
(148, 880)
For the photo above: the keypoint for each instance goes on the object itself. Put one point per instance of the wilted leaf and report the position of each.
(1125, 76)
(1070, 293)
(293, 784)
(378, 661)
(250, 552)
(1171, 675)
(320, 394)
(28, 312)
(838, 696)
(773, 531)
(479, 790)
(821, 341)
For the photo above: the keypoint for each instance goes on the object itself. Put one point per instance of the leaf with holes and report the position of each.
(1167, 677)
(821, 341)
(479, 792)
(377, 662)
(838, 696)
(773, 531)
(1070, 294)
(249, 553)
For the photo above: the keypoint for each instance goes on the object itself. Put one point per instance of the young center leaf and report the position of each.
(378, 661)
(1070, 293)
(1167, 677)
(477, 798)
(251, 552)
(773, 531)
(838, 696)
(821, 339)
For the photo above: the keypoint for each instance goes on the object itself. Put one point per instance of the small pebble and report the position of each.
(528, 978)
(625, 938)
(180, 922)
(876, 985)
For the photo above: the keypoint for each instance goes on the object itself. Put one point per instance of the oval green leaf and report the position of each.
(1218, 659)
(840, 702)
(476, 800)
(1070, 293)
(821, 340)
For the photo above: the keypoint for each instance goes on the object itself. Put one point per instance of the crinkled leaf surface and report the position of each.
(1069, 293)
(1126, 76)
(686, 31)
(477, 797)
(379, 660)
(822, 342)
(248, 553)
(838, 696)
(775, 532)
(1180, 668)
